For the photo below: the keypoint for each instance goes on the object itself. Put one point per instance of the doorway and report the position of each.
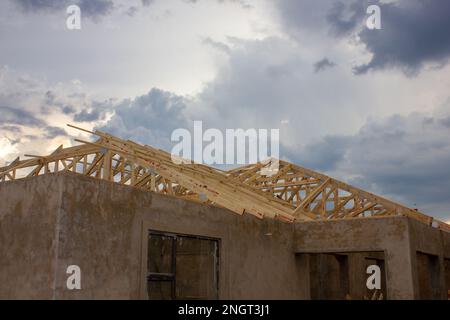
(182, 267)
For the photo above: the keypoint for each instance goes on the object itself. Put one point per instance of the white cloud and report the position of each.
(160, 46)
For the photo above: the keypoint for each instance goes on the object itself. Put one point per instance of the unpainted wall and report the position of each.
(50, 222)
(388, 235)
(53, 221)
(339, 276)
(429, 249)
(28, 219)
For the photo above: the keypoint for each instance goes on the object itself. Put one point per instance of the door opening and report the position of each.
(182, 267)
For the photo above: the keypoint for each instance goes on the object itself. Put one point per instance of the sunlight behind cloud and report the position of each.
(6, 148)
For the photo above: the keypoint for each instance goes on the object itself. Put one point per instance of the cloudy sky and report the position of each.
(370, 107)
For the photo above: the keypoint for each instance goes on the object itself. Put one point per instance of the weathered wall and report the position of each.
(430, 241)
(343, 275)
(28, 218)
(50, 222)
(256, 256)
(55, 221)
(389, 235)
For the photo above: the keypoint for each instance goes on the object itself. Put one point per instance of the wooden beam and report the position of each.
(314, 194)
(289, 195)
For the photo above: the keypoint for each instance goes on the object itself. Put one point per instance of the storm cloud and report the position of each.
(414, 33)
(148, 119)
(18, 117)
(343, 18)
(403, 157)
(323, 64)
(52, 132)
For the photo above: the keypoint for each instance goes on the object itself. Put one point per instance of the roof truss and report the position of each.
(292, 194)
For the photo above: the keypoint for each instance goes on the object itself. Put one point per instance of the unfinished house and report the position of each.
(139, 226)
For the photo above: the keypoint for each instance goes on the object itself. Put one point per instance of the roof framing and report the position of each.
(292, 194)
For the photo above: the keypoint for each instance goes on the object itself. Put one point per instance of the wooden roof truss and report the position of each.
(293, 193)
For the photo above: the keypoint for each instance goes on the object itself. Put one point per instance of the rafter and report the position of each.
(292, 194)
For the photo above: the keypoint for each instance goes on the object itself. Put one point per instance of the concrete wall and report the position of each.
(400, 239)
(50, 222)
(433, 242)
(28, 219)
(53, 221)
(343, 275)
(389, 235)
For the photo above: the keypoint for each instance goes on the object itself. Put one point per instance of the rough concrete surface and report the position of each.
(50, 222)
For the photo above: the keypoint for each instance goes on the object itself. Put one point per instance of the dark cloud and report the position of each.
(12, 129)
(87, 115)
(305, 15)
(18, 117)
(147, 3)
(12, 118)
(403, 157)
(49, 98)
(96, 111)
(131, 11)
(53, 132)
(96, 8)
(413, 33)
(323, 64)
(51, 102)
(265, 82)
(446, 122)
(148, 119)
(343, 18)
(324, 155)
(68, 109)
(41, 5)
(89, 8)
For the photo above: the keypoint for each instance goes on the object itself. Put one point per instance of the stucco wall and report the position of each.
(50, 222)
(389, 235)
(55, 221)
(430, 241)
(28, 218)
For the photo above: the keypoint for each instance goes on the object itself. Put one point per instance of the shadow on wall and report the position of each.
(342, 276)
